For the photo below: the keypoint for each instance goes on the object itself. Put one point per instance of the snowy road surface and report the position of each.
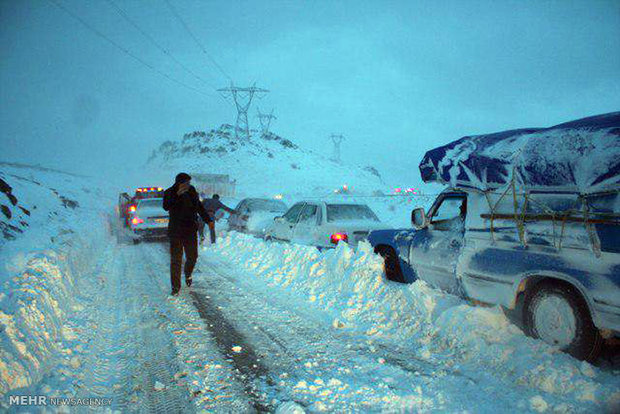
(270, 327)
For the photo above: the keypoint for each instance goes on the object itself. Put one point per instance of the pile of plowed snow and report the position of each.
(39, 266)
(350, 287)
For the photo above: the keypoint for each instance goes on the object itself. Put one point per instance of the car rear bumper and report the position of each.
(157, 232)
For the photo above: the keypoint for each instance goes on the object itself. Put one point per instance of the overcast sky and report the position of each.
(396, 78)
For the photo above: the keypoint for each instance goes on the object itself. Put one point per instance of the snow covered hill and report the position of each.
(263, 165)
(39, 197)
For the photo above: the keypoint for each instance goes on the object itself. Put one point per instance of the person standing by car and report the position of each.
(212, 205)
(182, 202)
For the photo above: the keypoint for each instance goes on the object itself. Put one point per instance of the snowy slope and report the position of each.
(262, 166)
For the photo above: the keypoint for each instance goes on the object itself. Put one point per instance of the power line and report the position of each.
(193, 36)
(243, 99)
(337, 140)
(124, 50)
(265, 120)
(163, 49)
(156, 44)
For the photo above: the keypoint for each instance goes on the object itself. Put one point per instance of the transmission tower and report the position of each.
(337, 140)
(243, 99)
(265, 121)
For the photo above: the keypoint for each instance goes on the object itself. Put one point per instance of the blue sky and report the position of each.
(395, 77)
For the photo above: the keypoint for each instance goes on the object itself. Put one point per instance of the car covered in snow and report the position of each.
(529, 222)
(255, 215)
(324, 224)
(149, 220)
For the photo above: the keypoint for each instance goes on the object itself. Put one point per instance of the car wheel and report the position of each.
(391, 264)
(559, 315)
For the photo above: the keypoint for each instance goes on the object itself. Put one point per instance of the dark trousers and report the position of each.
(201, 228)
(212, 231)
(188, 244)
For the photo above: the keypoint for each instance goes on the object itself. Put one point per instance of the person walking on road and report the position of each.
(182, 202)
(212, 205)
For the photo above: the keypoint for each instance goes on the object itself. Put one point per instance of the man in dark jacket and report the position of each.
(182, 202)
(213, 205)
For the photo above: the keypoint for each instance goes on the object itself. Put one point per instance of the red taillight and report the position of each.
(137, 220)
(336, 237)
(132, 208)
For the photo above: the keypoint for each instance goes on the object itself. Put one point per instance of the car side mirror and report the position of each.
(418, 218)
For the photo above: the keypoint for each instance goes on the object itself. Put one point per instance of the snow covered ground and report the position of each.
(266, 326)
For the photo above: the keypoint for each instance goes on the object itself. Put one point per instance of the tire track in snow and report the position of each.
(292, 343)
(130, 348)
(246, 361)
(249, 368)
(234, 378)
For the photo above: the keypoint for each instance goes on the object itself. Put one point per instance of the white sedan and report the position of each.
(324, 225)
(149, 220)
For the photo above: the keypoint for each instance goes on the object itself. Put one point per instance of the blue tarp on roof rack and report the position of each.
(581, 155)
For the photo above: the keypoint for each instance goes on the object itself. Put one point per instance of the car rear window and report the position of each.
(349, 212)
(273, 206)
(157, 202)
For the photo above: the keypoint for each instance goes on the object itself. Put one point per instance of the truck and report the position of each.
(527, 222)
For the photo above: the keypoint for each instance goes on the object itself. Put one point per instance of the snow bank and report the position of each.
(39, 268)
(349, 287)
(33, 304)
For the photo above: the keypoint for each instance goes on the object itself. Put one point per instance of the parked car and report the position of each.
(149, 220)
(525, 232)
(323, 224)
(255, 214)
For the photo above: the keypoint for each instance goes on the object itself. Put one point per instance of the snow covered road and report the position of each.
(270, 327)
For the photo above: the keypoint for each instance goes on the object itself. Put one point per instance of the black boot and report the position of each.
(174, 292)
(188, 281)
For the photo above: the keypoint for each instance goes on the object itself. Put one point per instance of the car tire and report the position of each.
(391, 264)
(559, 315)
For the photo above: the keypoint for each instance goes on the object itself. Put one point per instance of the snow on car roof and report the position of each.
(581, 156)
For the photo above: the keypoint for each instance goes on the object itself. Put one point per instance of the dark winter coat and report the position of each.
(212, 205)
(184, 210)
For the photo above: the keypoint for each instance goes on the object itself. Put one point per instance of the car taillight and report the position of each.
(336, 237)
(137, 220)
(132, 208)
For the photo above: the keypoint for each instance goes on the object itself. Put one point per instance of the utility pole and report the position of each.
(337, 140)
(265, 121)
(243, 99)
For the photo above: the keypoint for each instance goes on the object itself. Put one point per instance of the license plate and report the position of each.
(161, 221)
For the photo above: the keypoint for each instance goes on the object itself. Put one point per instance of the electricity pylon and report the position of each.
(265, 121)
(337, 140)
(243, 99)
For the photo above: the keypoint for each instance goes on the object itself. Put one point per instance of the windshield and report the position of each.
(273, 206)
(151, 203)
(349, 212)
